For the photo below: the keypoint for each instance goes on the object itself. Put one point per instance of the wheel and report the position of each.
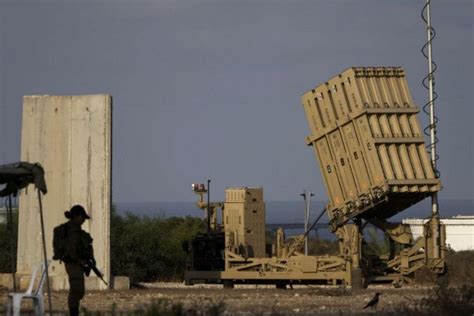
(228, 284)
(280, 285)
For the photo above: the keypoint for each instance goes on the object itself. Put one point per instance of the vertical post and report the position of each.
(308, 213)
(305, 222)
(434, 196)
(44, 252)
(208, 206)
(307, 202)
(11, 232)
(434, 200)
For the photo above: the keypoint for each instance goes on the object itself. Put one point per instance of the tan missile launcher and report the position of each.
(370, 146)
(235, 250)
(372, 155)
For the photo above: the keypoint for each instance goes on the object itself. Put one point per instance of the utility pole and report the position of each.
(209, 206)
(307, 204)
(433, 121)
(433, 157)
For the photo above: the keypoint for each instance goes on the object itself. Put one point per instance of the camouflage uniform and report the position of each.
(79, 251)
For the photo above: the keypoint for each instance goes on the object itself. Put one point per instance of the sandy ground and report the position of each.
(242, 300)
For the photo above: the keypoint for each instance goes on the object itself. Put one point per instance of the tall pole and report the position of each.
(10, 228)
(434, 222)
(434, 196)
(307, 207)
(44, 252)
(208, 206)
(305, 197)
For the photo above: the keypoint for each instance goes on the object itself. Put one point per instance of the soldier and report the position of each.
(78, 255)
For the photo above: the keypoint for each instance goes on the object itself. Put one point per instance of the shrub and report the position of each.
(143, 248)
(459, 270)
(150, 249)
(8, 246)
(320, 247)
(443, 301)
(460, 267)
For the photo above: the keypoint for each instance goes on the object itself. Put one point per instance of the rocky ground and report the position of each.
(242, 300)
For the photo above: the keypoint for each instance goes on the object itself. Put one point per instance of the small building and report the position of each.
(459, 231)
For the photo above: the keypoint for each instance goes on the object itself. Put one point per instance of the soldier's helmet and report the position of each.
(76, 210)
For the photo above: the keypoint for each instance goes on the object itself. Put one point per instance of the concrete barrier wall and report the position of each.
(71, 137)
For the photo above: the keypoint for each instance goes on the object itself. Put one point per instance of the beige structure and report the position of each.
(240, 243)
(70, 136)
(244, 218)
(369, 143)
(371, 152)
(372, 155)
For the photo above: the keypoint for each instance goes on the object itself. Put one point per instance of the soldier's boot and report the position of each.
(74, 311)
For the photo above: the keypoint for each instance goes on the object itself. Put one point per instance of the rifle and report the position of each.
(90, 265)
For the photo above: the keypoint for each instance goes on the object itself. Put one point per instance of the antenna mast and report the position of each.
(432, 96)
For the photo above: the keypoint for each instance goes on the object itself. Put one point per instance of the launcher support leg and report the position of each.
(435, 242)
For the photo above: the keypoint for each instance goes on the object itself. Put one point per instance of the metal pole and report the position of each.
(10, 228)
(208, 206)
(307, 208)
(309, 211)
(316, 221)
(306, 220)
(308, 215)
(305, 195)
(434, 197)
(44, 252)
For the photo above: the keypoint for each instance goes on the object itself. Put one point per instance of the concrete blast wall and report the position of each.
(71, 137)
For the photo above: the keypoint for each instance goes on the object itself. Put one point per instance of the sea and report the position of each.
(292, 212)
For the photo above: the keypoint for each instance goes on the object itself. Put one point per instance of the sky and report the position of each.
(211, 89)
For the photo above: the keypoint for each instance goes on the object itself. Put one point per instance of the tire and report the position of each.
(280, 285)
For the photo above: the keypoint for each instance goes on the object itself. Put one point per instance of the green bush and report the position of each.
(320, 247)
(460, 267)
(142, 248)
(150, 249)
(8, 242)
(442, 301)
(375, 244)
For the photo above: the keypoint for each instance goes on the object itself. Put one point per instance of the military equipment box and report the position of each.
(244, 221)
(371, 150)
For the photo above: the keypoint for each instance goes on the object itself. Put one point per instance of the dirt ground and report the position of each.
(242, 300)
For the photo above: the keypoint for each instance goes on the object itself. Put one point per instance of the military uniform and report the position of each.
(79, 252)
(75, 273)
(73, 246)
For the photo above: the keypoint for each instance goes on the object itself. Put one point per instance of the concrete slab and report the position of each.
(121, 283)
(71, 137)
(6, 280)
